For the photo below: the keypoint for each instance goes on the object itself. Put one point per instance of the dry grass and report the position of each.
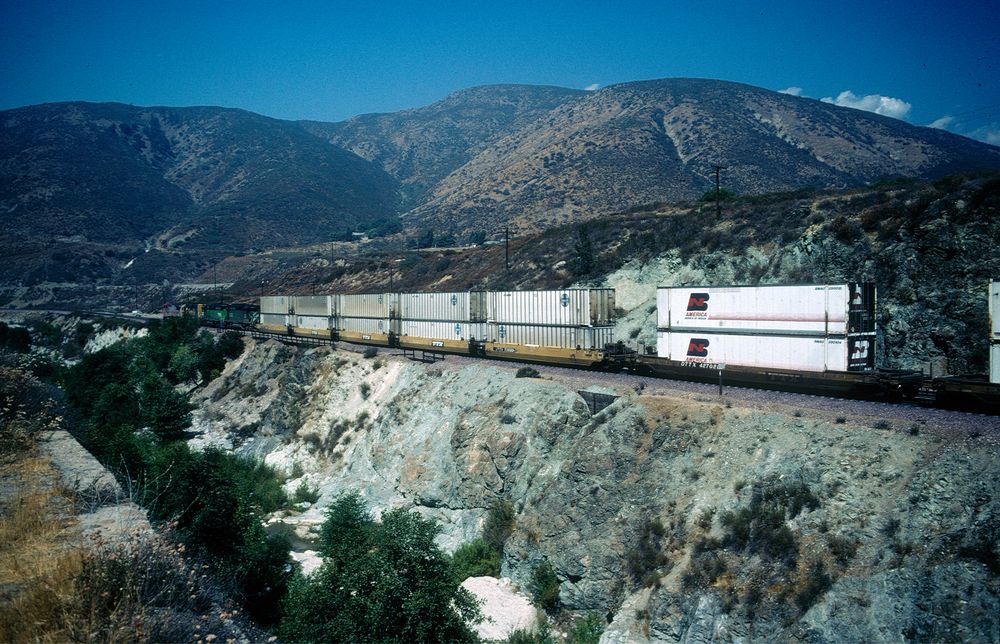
(38, 558)
(54, 587)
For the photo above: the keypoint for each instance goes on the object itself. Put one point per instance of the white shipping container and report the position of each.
(569, 307)
(363, 325)
(443, 330)
(324, 322)
(799, 353)
(565, 337)
(274, 319)
(313, 304)
(995, 311)
(995, 363)
(813, 309)
(456, 306)
(274, 304)
(364, 305)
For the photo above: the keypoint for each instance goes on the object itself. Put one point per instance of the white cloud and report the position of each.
(794, 91)
(593, 87)
(884, 105)
(942, 123)
(987, 134)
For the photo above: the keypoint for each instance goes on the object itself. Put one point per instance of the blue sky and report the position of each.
(928, 63)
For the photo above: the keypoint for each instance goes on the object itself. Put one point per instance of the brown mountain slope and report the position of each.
(659, 140)
(106, 182)
(420, 147)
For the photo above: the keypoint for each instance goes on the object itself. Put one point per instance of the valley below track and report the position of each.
(899, 417)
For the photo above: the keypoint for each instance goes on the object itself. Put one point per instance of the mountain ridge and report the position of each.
(86, 188)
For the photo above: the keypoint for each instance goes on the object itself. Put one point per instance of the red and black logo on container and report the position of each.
(698, 348)
(698, 302)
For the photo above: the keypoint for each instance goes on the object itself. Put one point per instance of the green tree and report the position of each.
(183, 363)
(163, 409)
(391, 583)
(583, 253)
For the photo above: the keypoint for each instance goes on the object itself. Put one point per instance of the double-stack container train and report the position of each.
(570, 326)
(808, 338)
(802, 338)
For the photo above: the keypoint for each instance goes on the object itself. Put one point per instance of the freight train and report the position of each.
(813, 339)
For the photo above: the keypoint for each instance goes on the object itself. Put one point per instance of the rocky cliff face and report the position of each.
(680, 516)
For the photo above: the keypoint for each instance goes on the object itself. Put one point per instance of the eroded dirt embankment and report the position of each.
(679, 515)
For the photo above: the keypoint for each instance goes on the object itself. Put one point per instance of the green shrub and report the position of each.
(383, 581)
(760, 528)
(646, 555)
(587, 629)
(475, 559)
(544, 587)
(305, 494)
(499, 525)
(527, 372)
(370, 352)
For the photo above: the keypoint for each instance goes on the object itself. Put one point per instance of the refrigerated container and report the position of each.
(459, 306)
(836, 310)
(566, 337)
(322, 305)
(568, 307)
(274, 304)
(792, 352)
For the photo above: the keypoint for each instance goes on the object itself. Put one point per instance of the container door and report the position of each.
(861, 308)
(477, 306)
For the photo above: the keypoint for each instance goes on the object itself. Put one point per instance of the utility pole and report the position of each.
(506, 237)
(718, 191)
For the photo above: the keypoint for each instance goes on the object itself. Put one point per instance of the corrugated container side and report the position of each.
(444, 330)
(570, 307)
(819, 309)
(274, 304)
(364, 305)
(274, 319)
(435, 306)
(602, 306)
(995, 310)
(566, 337)
(363, 325)
(995, 363)
(313, 321)
(313, 304)
(799, 353)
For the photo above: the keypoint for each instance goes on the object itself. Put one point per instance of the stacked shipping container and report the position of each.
(568, 319)
(458, 316)
(805, 328)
